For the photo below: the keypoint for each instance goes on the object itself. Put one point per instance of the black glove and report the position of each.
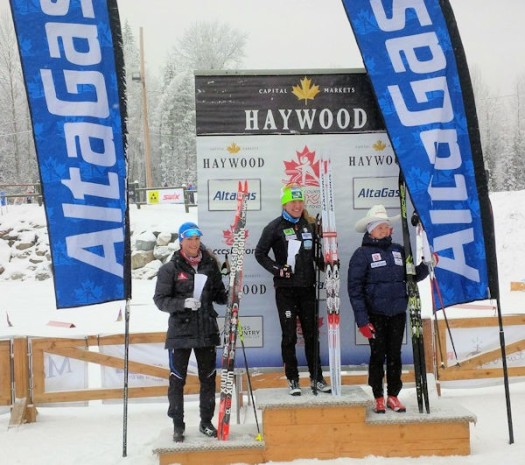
(286, 272)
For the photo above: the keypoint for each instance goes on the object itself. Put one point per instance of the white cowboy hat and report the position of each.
(375, 214)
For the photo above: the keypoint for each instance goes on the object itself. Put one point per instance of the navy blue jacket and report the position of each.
(377, 279)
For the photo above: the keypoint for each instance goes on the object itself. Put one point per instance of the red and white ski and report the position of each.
(231, 319)
(331, 259)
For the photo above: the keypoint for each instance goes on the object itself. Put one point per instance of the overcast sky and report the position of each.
(315, 34)
(298, 34)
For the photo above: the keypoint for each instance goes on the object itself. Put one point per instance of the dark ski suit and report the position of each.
(296, 296)
(378, 294)
(187, 329)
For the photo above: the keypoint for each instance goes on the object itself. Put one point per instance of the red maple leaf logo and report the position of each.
(228, 236)
(304, 170)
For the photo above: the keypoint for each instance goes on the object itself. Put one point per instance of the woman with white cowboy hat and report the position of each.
(377, 290)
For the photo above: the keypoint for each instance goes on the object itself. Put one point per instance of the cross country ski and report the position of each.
(331, 259)
(414, 307)
(232, 312)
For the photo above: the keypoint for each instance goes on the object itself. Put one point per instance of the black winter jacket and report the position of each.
(187, 328)
(275, 237)
(377, 279)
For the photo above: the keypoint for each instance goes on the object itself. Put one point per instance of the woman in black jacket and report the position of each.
(295, 292)
(192, 324)
(377, 290)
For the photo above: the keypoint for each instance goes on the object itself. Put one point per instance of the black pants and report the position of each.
(207, 373)
(386, 347)
(293, 303)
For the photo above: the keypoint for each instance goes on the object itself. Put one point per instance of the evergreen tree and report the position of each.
(490, 111)
(135, 136)
(203, 46)
(17, 153)
(518, 162)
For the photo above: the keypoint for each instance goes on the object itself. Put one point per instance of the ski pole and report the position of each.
(435, 286)
(423, 246)
(248, 377)
(317, 249)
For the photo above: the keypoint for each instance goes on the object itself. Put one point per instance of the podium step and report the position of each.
(328, 427)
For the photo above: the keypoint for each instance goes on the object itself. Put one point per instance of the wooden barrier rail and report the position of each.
(6, 374)
(22, 367)
(20, 193)
(79, 349)
(474, 366)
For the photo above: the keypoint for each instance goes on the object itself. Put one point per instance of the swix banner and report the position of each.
(414, 57)
(71, 57)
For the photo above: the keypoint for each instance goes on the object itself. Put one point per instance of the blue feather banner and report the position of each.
(413, 54)
(71, 59)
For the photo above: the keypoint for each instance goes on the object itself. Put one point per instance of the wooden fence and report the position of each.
(475, 365)
(22, 366)
(6, 373)
(20, 193)
(32, 192)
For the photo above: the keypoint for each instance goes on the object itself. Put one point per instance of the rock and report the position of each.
(145, 241)
(165, 252)
(5, 252)
(25, 253)
(140, 258)
(17, 276)
(154, 265)
(5, 232)
(42, 275)
(26, 240)
(164, 238)
(23, 245)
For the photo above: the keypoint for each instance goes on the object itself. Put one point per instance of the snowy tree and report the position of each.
(490, 111)
(203, 46)
(17, 153)
(512, 141)
(135, 108)
(209, 45)
(518, 161)
(177, 131)
(135, 147)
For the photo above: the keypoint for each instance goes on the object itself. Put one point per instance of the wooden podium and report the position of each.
(328, 427)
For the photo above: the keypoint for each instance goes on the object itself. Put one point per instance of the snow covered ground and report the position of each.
(94, 434)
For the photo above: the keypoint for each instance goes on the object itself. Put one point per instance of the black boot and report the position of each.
(178, 432)
(207, 428)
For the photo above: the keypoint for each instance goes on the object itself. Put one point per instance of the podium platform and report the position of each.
(327, 427)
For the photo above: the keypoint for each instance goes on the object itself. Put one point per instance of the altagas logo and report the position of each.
(306, 91)
(229, 234)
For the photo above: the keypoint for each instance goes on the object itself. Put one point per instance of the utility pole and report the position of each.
(147, 146)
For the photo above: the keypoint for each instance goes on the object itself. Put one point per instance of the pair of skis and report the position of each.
(231, 320)
(331, 260)
(414, 307)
